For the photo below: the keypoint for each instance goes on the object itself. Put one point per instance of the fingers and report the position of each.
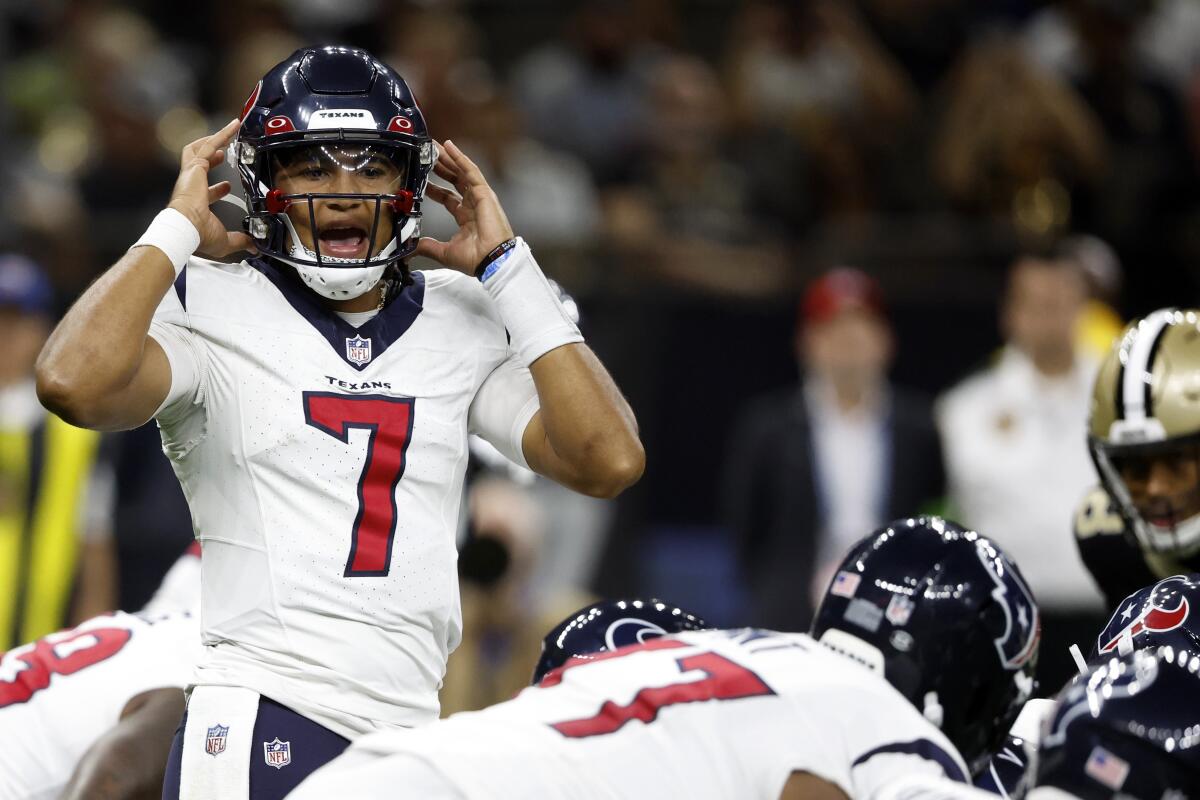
(452, 202)
(217, 191)
(465, 165)
(205, 146)
(454, 166)
(431, 248)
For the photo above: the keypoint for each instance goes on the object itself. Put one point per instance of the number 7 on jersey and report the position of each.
(390, 422)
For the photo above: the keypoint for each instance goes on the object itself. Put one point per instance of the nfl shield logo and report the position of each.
(277, 754)
(899, 609)
(214, 742)
(358, 350)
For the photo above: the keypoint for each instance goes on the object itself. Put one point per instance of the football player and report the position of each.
(1127, 729)
(1144, 436)
(315, 401)
(610, 625)
(920, 656)
(90, 712)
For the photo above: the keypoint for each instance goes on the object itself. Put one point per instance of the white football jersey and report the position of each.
(713, 714)
(323, 465)
(62, 692)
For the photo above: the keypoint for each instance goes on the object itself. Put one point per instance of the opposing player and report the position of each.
(316, 401)
(609, 625)
(90, 712)
(1144, 436)
(1128, 729)
(920, 657)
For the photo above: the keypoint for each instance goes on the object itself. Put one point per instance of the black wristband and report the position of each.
(497, 251)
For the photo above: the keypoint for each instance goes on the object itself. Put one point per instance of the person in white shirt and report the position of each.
(1014, 437)
(315, 402)
(919, 659)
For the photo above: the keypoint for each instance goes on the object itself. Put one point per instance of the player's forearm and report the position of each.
(97, 347)
(588, 425)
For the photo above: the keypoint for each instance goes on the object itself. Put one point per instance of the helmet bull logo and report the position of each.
(1155, 619)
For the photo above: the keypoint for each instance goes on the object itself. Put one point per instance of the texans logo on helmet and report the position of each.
(630, 630)
(1019, 641)
(1154, 619)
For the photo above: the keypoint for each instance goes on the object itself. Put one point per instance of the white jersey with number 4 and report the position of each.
(62, 692)
(323, 464)
(714, 714)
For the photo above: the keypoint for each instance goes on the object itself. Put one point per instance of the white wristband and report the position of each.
(529, 306)
(174, 234)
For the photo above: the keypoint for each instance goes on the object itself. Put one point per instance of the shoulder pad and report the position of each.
(1097, 515)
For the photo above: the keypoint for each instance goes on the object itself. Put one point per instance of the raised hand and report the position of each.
(481, 221)
(192, 194)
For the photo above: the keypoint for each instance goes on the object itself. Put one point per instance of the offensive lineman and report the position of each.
(920, 657)
(1144, 435)
(102, 699)
(315, 402)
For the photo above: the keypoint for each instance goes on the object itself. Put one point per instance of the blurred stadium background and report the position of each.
(684, 168)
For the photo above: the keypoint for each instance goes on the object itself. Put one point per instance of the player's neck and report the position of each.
(367, 302)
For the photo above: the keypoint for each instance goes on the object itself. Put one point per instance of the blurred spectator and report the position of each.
(1150, 171)
(812, 72)
(44, 470)
(146, 512)
(503, 623)
(132, 85)
(1016, 144)
(437, 50)
(688, 221)
(815, 467)
(548, 196)
(1099, 323)
(586, 93)
(1016, 459)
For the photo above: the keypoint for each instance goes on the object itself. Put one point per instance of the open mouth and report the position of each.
(344, 242)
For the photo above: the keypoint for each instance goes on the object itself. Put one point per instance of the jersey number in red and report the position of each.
(390, 421)
(723, 680)
(66, 656)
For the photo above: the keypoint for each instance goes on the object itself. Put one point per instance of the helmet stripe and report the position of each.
(1136, 403)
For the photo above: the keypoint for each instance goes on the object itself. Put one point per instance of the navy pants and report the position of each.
(309, 746)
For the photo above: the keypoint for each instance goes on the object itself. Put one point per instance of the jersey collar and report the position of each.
(358, 347)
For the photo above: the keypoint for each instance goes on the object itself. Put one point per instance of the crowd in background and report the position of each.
(999, 183)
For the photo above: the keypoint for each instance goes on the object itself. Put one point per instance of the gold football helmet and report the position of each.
(1144, 430)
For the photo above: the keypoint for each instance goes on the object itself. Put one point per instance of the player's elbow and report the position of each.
(60, 393)
(617, 471)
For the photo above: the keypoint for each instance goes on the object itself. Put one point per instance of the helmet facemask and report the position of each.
(1166, 522)
(339, 210)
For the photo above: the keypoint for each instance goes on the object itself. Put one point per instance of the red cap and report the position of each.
(839, 290)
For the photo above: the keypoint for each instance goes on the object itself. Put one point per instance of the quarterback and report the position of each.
(315, 401)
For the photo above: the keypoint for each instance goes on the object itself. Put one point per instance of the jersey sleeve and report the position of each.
(503, 407)
(180, 416)
(1108, 550)
(842, 739)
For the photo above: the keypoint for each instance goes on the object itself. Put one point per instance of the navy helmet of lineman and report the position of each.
(609, 625)
(337, 126)
(1166, 613)
(946, 617)
(1129, 728)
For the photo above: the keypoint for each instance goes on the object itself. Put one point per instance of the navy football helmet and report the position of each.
(1164, 613)
(608, 625)
(1129, 729)
(947, 619)
(1007, 773)
(334, 111)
